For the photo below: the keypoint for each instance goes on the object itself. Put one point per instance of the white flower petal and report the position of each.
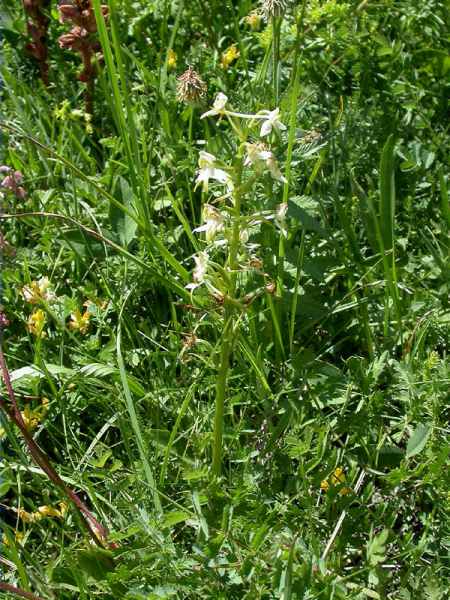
(266, 128)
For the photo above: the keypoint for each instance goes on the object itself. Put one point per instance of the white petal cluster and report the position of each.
(218, 108)
(258, 155)
(201, 267)
(271, 121)
(213, 222)
(270, 118)
(208, 170)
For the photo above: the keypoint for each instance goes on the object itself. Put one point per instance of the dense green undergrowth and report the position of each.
(247, 382)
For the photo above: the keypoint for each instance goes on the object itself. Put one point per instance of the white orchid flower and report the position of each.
(271, 121)
(218, 106)
(274, 169)
(208, 170)
(214, 221)
(258, 154)
(201, 267)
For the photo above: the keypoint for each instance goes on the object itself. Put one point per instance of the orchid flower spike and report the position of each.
(257, 154)
(208, 170)
(214, 221)
(271, 121)
(218, 108)
(201, 267)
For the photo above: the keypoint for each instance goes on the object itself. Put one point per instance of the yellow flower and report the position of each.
(18, 535)
(324, 485)
(171, 59)
(60, 113)
(253, 20)
(30, 419)
(49, 511)
(79, 322)
(230, 55)
(33, 416)
(88, 123)
(38, 291)
(336, 479)
(36, 323)
(27, 517)
(63, 508)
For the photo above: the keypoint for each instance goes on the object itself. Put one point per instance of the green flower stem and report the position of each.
(228, 335)
(221, 386)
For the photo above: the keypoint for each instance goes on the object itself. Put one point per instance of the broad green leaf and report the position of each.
(418, 440)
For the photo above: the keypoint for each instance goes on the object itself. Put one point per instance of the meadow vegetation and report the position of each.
(225, 299)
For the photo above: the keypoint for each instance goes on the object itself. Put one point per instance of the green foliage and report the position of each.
(332, 317)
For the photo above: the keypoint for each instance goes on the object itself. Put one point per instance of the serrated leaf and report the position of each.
(418, 440)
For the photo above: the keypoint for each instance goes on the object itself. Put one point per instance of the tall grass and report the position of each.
(279, 429)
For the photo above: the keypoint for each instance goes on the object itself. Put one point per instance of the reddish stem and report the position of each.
(98, 532)
(6, 587)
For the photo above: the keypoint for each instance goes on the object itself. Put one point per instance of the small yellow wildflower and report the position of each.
(171, 59)
(61, 113)
(88, 123)
(336, 479)
(36, 323)
(38, 291)
(229, 56)
(26, 516)
(49, 511)
(18, 536)
(253, 20)
(32, 417)
(79, 322)
(63, 508)
(79, 115)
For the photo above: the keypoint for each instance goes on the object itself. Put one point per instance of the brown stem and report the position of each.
(6, 587)
(44, 73)
(98, 532)
(38, 29)
(88, 76)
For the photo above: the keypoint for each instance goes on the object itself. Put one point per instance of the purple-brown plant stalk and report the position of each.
(81, 38)
(12, 589)
(98, 532)
(37, 27)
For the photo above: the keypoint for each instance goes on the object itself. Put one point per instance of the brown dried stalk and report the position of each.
(37, 27)
(12, 589)
(98, 532)
(81, 38)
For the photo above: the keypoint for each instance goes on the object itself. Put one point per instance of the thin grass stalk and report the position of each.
(165, 253)
(298, 273)
(291, 140)
(445, 208)
(276, 67)
(166, 281)
(134, 419)
(117, 101)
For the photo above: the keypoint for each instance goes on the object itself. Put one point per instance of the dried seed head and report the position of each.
(191, 88)
(274, 8)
